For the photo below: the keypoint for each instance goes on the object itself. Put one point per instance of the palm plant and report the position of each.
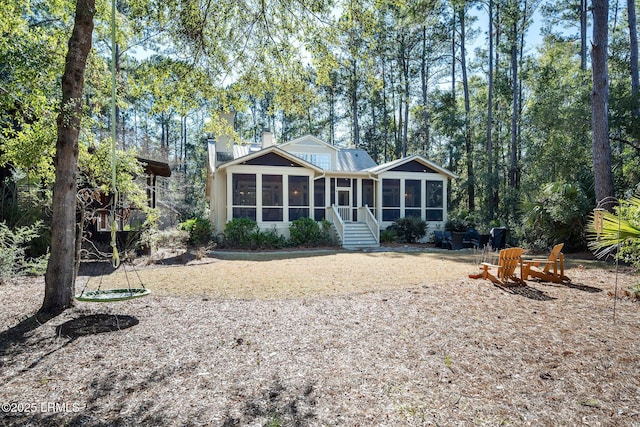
(617, 231)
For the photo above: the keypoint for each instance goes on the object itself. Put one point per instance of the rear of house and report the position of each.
(306, 177)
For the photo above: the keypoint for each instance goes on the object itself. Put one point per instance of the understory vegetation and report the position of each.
(244, 233)
(14, 246)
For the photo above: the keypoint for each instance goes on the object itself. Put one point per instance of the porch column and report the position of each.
(258, 198)
(285, 196)
(229, 195)
(378, 195)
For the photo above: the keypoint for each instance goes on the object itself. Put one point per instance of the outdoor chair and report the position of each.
(443, 239)
(471, 238)
(504, 272)
(549, 269)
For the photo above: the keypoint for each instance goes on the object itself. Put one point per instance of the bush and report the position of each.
(388, 235)
(304, 231)
(13, 246)
(268, 240)
(239, 232)
(556, 214)
(199, 230)
(170, 238)
(620, 234)
(409, 229)
(307, 232)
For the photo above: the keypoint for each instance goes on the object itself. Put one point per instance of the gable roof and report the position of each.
(415, 158)
(308, 138)
(271, 150)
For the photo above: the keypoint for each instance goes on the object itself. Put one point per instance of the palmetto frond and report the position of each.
(613, 230)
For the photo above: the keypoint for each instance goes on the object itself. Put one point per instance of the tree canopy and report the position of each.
(470, 85)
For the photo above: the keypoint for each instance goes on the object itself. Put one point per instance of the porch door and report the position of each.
(343, 197)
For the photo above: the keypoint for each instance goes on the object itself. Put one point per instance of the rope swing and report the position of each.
(120, 294)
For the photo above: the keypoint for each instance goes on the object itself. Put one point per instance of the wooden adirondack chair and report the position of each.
(550, 269)
(504, 272)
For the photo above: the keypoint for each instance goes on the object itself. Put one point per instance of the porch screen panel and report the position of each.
(298, 197)
(413, 197)
(332, 191)
(354, 199)
(367, 193)
(434, 201)
(390, 199)
(244, 195)
(319, 199)
(272, 198)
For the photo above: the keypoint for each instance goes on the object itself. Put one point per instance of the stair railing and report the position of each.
(333, 216)
(371, 221)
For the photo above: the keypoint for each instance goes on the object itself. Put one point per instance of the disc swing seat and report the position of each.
(117, 294)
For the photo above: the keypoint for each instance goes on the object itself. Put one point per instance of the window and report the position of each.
(319, 199)
(367, 193)
(413, 197)
(323, 161)
(298, 197)
(343, 182)
(271, 197)
(390, 199)
(244, 195)
(434, 201)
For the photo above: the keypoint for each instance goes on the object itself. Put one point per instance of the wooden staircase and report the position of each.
(357, 235)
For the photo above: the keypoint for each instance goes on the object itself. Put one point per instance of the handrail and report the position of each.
(338, 223)
(345, 212)
(371, 222)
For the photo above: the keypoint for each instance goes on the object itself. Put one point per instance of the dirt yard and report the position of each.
(334, 339)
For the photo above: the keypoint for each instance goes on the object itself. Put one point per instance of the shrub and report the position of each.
(199, 230)
(458, 220)
(409, 229)
(326, 235)
(556, 214)
(304, 231)
(13, 246)
(268, 240)
(620, 235)
(388, 235)
(170, 238)
(238, 233)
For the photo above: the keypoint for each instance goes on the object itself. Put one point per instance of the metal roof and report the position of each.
(353, 159)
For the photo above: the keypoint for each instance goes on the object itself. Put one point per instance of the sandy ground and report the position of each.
(349, 339)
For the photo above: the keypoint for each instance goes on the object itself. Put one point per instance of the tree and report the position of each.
(600, 146)
(633, 57)
(491, 180)
(60, 277)
(471, 192)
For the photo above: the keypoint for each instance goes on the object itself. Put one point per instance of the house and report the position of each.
(128, 218)
(306, 177)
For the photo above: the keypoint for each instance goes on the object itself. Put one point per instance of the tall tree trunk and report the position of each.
(633, 57)
(332, 115)
(513, 157)
(471, 188)
(490, 180)
(399, 148)
(354, 105)
(424, 78)
(453, 54)
(600, 147)
(404, 54)
(583, 34)
(385, 116)
(59, 278)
